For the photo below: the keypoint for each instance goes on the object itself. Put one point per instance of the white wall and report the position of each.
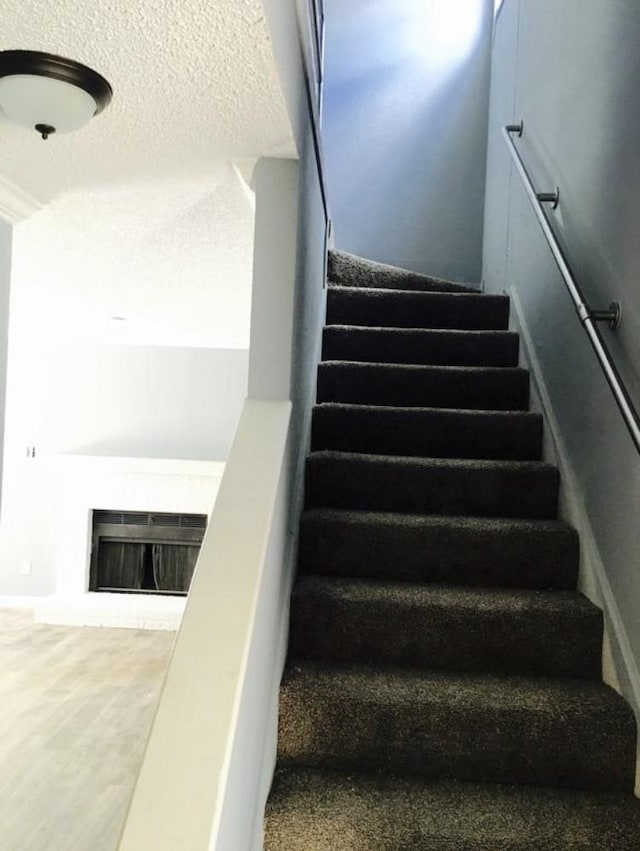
(98, 399)
(405, 123)
(572, 76)
(274, 272)
(221, 763)
(174, 258)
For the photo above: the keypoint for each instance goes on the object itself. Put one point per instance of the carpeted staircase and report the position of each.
(443, 688)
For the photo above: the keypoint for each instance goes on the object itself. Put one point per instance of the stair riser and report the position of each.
(326, 628)
(387, 309)
(430, 434)
(439, 553)
(420, 347)
(420, 733)
(415, 489)
(366, 384)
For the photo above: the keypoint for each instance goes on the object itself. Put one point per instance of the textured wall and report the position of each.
(405, 123)
(572, 77)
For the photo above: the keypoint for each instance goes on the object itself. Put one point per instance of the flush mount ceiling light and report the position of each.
(48, 93)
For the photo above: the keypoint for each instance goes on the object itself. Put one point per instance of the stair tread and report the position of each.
(442, 333)
(426, 409)
(471, 726)
(508, 600)
(423, 369)
(381, 292)
(364, 458)
(316, 810)
(564, 697)
(391, 518)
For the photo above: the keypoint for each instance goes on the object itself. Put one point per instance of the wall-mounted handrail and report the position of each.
(313, 70)
(588, 317)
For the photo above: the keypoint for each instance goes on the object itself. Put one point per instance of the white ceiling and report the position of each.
(143, 215)
(193, 82)
(173, 258)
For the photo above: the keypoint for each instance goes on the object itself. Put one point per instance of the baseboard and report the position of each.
(620, 668)
(126, 611)
(12, 601)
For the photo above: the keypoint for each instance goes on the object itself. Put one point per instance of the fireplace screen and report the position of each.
(144, 553)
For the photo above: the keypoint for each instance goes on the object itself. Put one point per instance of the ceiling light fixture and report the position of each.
(48, 93)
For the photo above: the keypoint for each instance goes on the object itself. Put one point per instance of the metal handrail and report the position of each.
(309, 72)
(587, 316)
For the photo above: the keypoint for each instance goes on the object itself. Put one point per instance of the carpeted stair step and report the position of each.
(354, 271)
(420, 346)
(405, 309)
(466, 387)
(468, 727)
(427, 432)
(315, 810)
(502, 631)
(431, 485)
(449, 550)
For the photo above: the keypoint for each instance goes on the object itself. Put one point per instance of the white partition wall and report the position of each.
(211, 752)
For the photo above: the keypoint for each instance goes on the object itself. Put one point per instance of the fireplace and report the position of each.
(138, 552)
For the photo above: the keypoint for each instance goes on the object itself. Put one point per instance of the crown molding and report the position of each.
(16, 204)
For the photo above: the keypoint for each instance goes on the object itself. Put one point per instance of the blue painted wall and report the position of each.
(405, 123)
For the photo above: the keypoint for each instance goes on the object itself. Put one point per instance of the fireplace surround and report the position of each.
(88, 482)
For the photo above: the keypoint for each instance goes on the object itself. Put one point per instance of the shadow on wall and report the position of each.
(405, 118)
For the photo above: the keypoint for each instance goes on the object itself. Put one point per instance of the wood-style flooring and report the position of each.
(76, 704)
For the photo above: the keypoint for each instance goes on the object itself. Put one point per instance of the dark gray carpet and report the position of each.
(452, 486)
(443, 688)
(467, 387)
(460, 726)
(429, 432)
(348, 269)
(314, 810)
(455, 550)
(519, 631)
(420, 346)
(405, 309)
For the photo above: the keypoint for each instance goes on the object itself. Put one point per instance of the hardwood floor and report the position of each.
(76, 704)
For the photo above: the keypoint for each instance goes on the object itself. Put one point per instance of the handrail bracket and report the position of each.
(613, 315)
(588, 317)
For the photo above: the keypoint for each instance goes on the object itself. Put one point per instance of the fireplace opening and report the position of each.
(144, 552)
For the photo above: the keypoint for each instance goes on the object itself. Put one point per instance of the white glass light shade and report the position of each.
(30, 99)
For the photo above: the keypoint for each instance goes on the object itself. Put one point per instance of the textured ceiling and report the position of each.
(172, 258)
(193, 82)
(143, 215)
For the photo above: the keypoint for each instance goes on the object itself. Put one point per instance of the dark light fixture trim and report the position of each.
(34, 62)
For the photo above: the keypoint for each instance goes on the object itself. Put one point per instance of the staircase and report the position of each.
(443, 685)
